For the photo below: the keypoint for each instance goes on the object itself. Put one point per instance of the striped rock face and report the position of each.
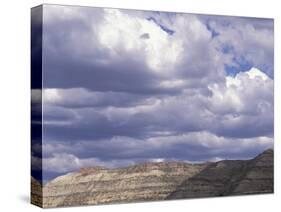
(227, 178)
(160, 181)
(149, 181)
(36, 192)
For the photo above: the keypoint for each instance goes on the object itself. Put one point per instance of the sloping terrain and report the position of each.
(149, 181)
(36, 192)
(160, 181)
(230, 178)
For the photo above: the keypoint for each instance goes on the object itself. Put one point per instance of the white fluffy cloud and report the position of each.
(248, 92)
(63, 162)
(122, 32)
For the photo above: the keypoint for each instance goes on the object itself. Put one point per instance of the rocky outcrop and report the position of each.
(259, 176)
(226, 178)
(148, 181)
(160, 181)
(36, 192)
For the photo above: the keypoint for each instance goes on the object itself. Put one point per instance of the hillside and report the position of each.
(36, 192)
(160, 181)
(230, 178)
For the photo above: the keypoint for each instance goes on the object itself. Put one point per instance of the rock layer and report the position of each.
(160, 181)
(149, 181)
(226, 178)
(36, 192)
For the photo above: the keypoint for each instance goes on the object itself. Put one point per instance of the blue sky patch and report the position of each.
(164, 28)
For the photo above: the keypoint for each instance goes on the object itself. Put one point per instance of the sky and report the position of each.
(121, 87)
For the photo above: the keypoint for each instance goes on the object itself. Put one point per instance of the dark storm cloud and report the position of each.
(128, 75)
(82, 98)
(246, 127)
(92, 125)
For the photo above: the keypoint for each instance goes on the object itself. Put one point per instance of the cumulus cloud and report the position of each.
(244, 105)
(140, 65)
(123, 87)
(248, 41)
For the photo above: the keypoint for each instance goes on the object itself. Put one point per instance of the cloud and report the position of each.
(249, 41)
(240, 107)
(234, 121)
(64, 163)
(145, 36)
(122, 151)
(244, 105)
(80, 97)
(122, 87)
(140, 65)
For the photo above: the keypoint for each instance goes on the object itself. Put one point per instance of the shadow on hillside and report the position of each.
(229, 177)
